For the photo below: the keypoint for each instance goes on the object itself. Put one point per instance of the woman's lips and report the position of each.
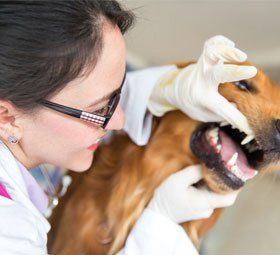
(93, 147)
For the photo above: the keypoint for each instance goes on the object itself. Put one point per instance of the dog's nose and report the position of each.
(277, 135)
(277, 124)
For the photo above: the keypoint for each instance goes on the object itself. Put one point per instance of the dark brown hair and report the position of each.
(46, 44)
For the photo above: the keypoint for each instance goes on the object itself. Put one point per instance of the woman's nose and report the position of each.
(117, 120)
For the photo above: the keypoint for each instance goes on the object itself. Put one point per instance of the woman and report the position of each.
(56, 55)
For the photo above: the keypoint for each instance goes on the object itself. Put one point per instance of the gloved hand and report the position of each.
(178, 200)
(194, 89)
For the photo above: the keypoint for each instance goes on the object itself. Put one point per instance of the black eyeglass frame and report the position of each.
(97, 119)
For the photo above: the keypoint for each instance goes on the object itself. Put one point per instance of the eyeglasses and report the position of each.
(100, 117)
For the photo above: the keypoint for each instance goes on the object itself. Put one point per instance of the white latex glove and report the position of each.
(194, 89)
(178, 200)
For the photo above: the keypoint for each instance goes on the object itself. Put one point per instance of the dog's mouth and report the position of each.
(229, 153)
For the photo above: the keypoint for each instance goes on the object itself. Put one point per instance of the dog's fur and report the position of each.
(102, 205)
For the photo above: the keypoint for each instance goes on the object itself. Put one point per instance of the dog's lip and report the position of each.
(201, 148)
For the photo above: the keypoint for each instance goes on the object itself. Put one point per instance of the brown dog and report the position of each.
(102, 205)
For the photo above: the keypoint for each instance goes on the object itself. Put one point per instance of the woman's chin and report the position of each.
(81, 164)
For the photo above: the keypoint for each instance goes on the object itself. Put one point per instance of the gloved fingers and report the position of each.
(205, 214)
(230, 113)
(224, 53)
(217, 200)
(231, 73)
(218, 39)
(205, 115)
(188, 175)
(197, 215)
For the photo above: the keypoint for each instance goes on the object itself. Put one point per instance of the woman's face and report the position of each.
(62, 140)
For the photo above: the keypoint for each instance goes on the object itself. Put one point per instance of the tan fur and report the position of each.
(103, 204)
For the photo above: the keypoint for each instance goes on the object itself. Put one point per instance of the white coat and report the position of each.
(23, 229)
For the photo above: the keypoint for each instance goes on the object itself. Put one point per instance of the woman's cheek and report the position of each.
(72, 131)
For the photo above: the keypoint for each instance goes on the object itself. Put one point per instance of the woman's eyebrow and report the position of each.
(106, 97)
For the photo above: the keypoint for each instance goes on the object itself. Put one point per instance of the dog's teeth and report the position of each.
(224, 123)
(235, 170)
(233, 159)
(219, 147)
(216, 140)
(238, 173)
(247, 139)
(213, 133)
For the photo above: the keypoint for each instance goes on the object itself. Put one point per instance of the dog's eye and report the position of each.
(243, 85)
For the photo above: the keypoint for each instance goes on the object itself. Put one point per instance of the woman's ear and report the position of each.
(10, 131)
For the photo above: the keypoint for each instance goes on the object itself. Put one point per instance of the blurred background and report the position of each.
(169, 31)
(172, 30)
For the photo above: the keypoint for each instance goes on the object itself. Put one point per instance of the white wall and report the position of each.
(168, 31)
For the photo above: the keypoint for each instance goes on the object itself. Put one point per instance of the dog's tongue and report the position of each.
(229, 147)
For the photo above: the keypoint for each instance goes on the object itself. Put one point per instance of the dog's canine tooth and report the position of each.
(232, 160)
(247, 139)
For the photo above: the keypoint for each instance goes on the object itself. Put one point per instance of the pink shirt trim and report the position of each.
(3, 192)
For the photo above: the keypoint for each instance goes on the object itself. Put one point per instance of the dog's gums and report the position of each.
(227, 152)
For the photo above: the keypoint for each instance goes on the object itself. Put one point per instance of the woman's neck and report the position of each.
(19, 154)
